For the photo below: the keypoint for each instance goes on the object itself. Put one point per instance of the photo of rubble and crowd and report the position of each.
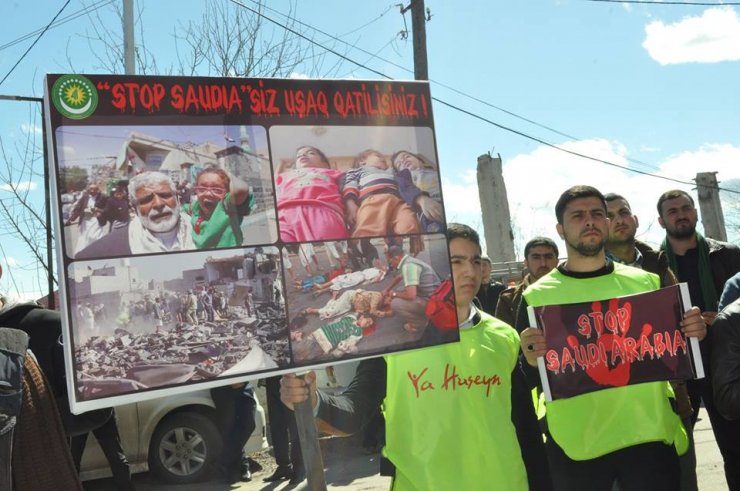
(131, 190)
(156, 321)
(359, 297)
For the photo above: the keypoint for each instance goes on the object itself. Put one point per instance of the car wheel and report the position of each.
(184, 447)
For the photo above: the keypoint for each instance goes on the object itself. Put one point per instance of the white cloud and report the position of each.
(19, 186)
(710, 157)
(711, 37)
(535, 180)
(461, 196)
(11, 261)
(29, 129)
(298, 75)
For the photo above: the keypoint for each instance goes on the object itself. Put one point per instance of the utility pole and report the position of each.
(711, 209)
(419, 33)
(129, 48)
(495, 209)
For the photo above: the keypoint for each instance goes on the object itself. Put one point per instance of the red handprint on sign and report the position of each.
(611, 328)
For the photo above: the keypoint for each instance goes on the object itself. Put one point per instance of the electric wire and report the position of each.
(34, 42)
(653, 2)
(474, 115)
(448, 87)
(74, 15)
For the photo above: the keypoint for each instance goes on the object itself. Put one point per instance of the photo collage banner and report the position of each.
(212, 230)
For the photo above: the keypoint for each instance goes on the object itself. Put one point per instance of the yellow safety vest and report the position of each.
(595, 424)
(448, 413)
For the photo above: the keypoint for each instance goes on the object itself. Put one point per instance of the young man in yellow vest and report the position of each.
(458, 415)
(626, 435)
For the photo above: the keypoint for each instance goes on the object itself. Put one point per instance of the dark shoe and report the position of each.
(254, 466)
(297, 479)
(246, 474)
(282, 472)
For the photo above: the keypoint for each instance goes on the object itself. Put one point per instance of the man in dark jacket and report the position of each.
(705, 264)
(489, 290)
(725, 361)
(622, 247)
(540, 257)
(44, 329)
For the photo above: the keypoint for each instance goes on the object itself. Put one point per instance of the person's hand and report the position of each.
(294, 389)
(430, 208)
(533, 344)
(709, 317)
(352, 208)
(694, 323)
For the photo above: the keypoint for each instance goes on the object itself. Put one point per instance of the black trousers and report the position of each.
(283, 429)
(110, 442)
(235, 409)
(645, 467)
(726, 432)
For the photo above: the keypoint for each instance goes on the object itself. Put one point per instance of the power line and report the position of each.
(448, 87)
(653, 2)
(306, 38)
(74, 15)
(401, 67)
(552, 145)
(474, 115)
(35, 41)
(368, 23)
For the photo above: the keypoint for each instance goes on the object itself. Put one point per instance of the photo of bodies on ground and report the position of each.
(360, 215)
(156, 321)
(351, 298)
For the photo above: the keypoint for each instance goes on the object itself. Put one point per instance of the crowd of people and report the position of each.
(633, 437)
(153, 214)
(470, 415)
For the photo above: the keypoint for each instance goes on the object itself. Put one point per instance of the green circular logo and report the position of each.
(74, 96)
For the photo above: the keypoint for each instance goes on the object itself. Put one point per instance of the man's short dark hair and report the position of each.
(672, 194)
(540, 241)
(462, 231)
(609, 197)
(576, 192)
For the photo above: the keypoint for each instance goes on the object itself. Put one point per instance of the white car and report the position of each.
(175, 437)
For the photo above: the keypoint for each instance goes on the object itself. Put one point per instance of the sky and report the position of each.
(649, 88)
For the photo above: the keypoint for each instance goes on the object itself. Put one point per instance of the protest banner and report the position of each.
(213, 230)
(616, 342)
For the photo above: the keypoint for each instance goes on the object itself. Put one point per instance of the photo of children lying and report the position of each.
(141, 190)
(358, 297)
(339, 182)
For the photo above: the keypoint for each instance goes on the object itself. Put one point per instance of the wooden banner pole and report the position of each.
(310, 449)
